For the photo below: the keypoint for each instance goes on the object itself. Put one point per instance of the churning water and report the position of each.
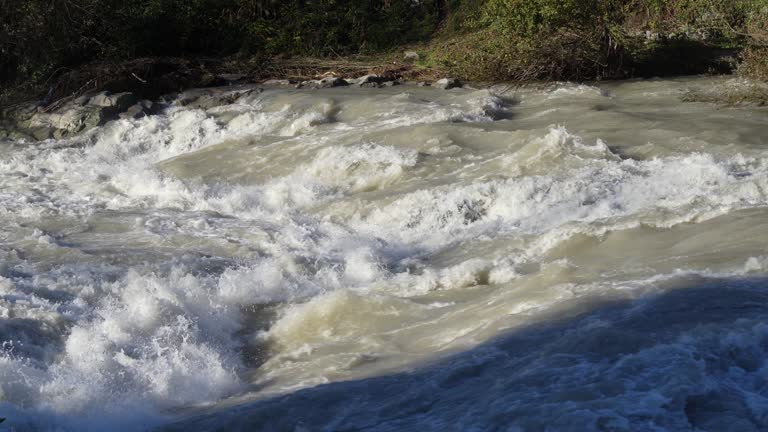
(572, 258)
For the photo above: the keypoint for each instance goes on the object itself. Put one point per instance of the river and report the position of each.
(564, 257)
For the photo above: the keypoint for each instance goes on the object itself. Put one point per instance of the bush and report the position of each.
(534, 40)
(593, 39)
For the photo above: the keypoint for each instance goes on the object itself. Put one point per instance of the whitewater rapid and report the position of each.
(564, 257)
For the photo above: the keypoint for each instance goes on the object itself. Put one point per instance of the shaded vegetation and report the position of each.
(42, 41)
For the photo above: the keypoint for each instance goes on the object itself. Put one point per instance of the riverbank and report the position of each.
(88, 108)
(169, 47)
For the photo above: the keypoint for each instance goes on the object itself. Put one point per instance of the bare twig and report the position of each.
(137, 77)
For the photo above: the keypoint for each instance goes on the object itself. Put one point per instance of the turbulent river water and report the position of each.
(566, 258)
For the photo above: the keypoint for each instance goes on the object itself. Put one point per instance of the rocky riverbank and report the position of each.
(86, 109)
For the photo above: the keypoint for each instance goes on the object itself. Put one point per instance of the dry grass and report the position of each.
(488, 55)
(755, 63)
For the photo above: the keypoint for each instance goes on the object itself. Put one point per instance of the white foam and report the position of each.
(661, 192)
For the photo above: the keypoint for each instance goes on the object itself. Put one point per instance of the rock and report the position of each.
(278, 82)
(247, 96)
(41, 133)
(390, 83)
(14, 135)
(70, 117)
(18, 114)
(651, 36)
(308, 84)
(391, 75)
(422, 84)
(370, 80)
(81, 101)
(328, 82)
(118, 101)
(59, 134)
(134, 112)
(76, 120)
(69, 120)
(209, 98)
(411, 56)
(148, 105)
(447, 83)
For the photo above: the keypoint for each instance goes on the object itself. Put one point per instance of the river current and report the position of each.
(560, 258)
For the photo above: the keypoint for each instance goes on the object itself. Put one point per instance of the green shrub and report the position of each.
(592, 39)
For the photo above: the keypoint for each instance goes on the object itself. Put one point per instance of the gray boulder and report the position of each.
(213, 97)
(331, 81)
(139, 110)
(411, 56)
(447, 83)
(68, 120)
(370, 80)
(278, 82)
(117, 101)
(326, 82)
(68, 117)
(82, 100)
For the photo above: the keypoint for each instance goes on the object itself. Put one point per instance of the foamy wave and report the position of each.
(603, 189)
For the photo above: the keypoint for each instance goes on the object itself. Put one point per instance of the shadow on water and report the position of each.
(691, 358)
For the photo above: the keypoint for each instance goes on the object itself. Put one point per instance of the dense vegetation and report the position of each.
(37, 36)
(578, 39)
(475, 39)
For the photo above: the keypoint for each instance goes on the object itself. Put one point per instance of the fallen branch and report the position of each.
(137, 77)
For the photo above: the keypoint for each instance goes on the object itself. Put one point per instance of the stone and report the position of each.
(278, 82)
(411, 56)
(82, 100)
(370, 80)
(248, 96)
(331, 81)
(118, 101)
(134, 112)
(14, 135)
(326, 82)
(447, 83)
(147, 105)
(17, 114)
(209, 98)
(71, 117)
